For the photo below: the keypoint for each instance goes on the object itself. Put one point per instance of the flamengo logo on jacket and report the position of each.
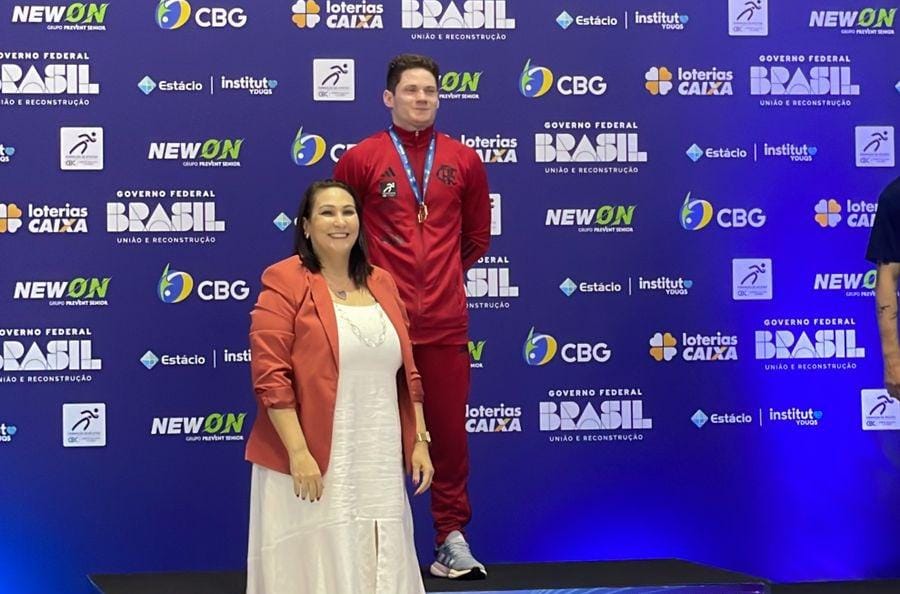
(435, 14)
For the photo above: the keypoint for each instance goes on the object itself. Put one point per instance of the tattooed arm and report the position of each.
(886, 301)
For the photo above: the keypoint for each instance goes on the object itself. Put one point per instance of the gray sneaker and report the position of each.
(454, 560)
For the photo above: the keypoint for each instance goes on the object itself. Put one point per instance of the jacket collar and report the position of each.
(414, 138)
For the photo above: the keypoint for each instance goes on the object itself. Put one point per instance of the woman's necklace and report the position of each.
(342, 295)
(378, 340)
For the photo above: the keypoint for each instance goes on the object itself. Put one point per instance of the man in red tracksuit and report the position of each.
(426, 216)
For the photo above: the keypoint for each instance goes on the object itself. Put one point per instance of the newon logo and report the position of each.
(214, 427)
(75, 16)
(75, 292)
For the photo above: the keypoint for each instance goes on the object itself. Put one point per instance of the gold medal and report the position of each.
(423, 212)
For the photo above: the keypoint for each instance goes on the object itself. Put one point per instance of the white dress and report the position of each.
(357, 539)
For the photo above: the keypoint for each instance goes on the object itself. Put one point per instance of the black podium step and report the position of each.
(626, 577)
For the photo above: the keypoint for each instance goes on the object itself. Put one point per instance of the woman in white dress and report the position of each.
(339, 411)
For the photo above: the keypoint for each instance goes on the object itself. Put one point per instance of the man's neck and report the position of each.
(410, 129)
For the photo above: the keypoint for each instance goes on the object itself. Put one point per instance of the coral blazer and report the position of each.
(294, 352)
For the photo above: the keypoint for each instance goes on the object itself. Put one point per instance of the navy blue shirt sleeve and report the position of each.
(884, 242)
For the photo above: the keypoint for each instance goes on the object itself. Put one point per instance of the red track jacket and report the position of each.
(427, 260)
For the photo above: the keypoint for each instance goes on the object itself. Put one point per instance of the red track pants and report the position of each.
(445, 380)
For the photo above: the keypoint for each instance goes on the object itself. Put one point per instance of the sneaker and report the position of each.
(454, 560)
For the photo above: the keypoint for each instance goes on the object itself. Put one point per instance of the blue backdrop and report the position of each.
(673, 343)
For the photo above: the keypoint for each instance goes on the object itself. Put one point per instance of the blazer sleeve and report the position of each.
(271, 342)
(412, 385)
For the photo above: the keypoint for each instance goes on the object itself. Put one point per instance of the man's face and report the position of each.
(414, 103)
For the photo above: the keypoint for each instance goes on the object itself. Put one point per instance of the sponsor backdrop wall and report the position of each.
(673, 346)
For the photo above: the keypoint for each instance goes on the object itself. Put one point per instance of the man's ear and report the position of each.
(388, 99)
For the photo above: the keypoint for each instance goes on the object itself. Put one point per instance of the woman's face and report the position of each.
(333, 223)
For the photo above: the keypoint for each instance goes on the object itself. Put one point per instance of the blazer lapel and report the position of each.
(325, 309)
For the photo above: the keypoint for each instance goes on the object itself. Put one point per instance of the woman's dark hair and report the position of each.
(359, 268)
(403, 62)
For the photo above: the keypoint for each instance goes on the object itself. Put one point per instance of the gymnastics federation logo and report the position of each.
(662, 346)
(659, 80)
(307, 150)
(828, 213)
(539, 349)
(875, 145)
(172, 14)
(175, 286)
(535, 81)
(695, 214)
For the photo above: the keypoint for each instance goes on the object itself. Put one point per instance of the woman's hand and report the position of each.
(307, 478)
(422, 470)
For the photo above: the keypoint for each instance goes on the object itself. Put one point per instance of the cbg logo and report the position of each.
(174, 14)
(307, 149)
(697, 214)
(175, 286)
(539, 349)
(536, 82)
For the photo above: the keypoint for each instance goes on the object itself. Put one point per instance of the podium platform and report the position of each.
(660, 576)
